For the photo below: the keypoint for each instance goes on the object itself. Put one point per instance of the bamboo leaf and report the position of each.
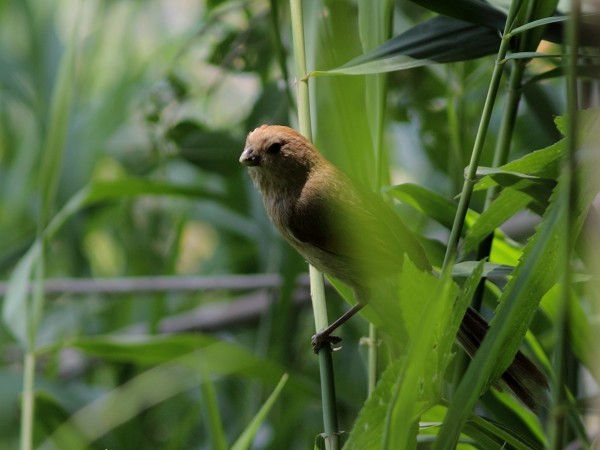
(494, 435)
(489, 270)
(507, 204)
(535, 24)
(412, 383)
(438, 40)
(544, 164)
(532, 55)
(473, 11)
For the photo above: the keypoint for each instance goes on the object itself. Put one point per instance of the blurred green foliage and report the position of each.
(121, 123)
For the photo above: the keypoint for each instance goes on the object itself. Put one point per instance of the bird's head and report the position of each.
(275, 152)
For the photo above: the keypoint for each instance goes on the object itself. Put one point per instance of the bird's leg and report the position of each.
(324, 337)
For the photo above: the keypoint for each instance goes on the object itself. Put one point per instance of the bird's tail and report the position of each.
(523, 378)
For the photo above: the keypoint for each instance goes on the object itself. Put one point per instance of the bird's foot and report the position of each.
(323, 339)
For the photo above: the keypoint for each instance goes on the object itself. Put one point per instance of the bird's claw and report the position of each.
(320, 340)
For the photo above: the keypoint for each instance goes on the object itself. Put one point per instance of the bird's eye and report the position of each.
(274, 148)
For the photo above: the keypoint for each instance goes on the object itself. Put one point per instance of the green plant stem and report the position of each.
(372, 367)
(27, 402)
(447, 437)
(455, 96)
(501, 153)
(300, 61)
(467, 190)
(560, 402)
(330, 421)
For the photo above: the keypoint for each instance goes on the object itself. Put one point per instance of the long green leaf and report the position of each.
(518, 304)
(148, 389)
(544, 164)
(245, 440)
(506, 205)
(211, 407)
(473, 11)
(438, 40)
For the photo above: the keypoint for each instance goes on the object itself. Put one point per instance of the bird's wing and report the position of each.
(354, 226)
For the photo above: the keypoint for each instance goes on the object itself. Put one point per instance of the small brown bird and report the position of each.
(349, 233)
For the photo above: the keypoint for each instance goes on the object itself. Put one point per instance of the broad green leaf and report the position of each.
(418, 387)
(368, 428)
(494, 435)
(507, 204)
(523, 422)
(537, 188)
(588, 119)
(438, 40)
(544, 164)
(412, 384)
(473, 11)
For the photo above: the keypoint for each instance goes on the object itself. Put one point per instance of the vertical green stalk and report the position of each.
(501, 153)
(448, 434)
(375, 23)
(454, 117)
(49, 176)
(372, 359)
(467, 190)
(330, 421)
(560, 401)
(27, 402)
(301, 72)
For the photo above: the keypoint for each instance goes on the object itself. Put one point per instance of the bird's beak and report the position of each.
(249, 158)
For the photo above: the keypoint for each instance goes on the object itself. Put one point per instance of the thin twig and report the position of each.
(134, 285)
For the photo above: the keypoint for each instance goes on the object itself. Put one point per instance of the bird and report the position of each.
(351, 234)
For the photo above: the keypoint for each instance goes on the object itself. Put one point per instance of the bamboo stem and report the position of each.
(560, 402)
(467, 190)
(330, 420)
